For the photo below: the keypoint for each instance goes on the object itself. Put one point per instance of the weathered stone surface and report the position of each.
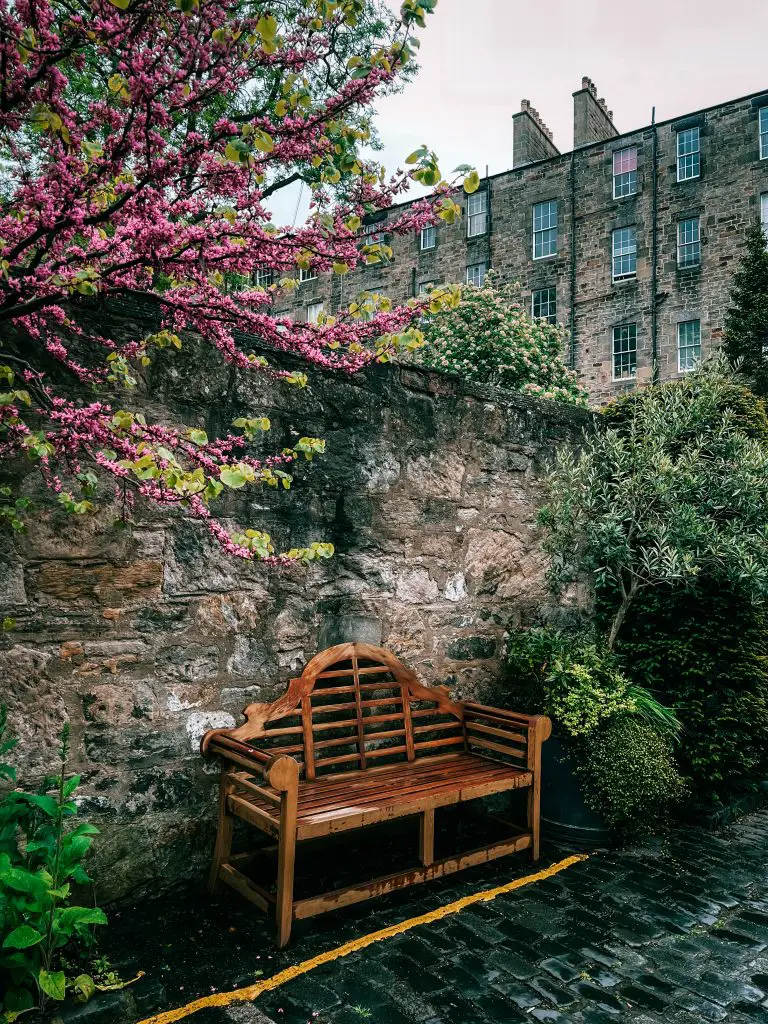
(144, 637)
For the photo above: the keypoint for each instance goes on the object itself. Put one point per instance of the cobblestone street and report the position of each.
(676, 931)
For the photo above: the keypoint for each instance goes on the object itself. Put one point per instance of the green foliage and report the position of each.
(571, 677)
(706, 651)
(629, 773)
(40, 859)
(679, 491)
(574, 679)
(746, 322)
(491, 338)
(702, 646)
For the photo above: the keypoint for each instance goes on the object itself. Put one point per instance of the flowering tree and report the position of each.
(141, 141)
(492, 339)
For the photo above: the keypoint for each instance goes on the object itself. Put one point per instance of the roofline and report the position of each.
(602, 142)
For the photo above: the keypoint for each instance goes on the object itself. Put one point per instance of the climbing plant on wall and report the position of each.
(142, 141)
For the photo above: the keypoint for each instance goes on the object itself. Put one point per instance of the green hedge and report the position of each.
(706, 653)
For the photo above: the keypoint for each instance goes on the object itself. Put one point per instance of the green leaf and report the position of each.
(122, 5)
(75, 919)
(232, 478)
(22, 937)
(71, 785)
(44, 803)
(53, 983)
(472, 182)
(24, 881)
(17, 1000)
(84, 988)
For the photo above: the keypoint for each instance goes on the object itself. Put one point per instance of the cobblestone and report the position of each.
(674, 932)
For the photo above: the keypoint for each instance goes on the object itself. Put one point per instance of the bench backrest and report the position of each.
(355, 706)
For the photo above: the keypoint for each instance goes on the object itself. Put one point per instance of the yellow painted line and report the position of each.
(251, 992)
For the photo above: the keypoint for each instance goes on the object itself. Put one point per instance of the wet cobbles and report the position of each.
(675, 931)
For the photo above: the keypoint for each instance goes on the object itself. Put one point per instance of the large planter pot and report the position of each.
(564, 812)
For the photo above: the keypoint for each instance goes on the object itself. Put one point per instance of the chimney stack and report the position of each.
(592, 120)
(531, 139)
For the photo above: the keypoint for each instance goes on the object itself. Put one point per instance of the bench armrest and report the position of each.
(280, 771)
(507, 732)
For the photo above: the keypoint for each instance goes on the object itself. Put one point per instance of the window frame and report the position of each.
(550, 301)
(478, 215)
(307, 275)
(314, 306)
(764, 214)
(422, 286)
(540, 232)
(631, 330)
(692, 244)
(433, 229)
(629, 275)
(479, 263)
(267, 273)
(762, 131)
(630, 175)
(694, 154)
(680, 347)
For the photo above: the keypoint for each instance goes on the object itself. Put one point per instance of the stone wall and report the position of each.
(142, 636)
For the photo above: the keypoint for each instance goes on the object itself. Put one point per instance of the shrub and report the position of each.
(706, 651)
(39, 861)
(629, 772)
(491, 338)
(703, 646)
(676, 491)
(746, 322)
(597, 709)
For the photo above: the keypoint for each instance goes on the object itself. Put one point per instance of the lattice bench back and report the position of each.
(353, 707)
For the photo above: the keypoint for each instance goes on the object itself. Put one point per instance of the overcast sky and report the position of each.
(479, 58)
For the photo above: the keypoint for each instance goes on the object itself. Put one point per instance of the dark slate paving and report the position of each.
(675, 932)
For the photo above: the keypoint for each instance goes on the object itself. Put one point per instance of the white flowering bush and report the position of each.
(491, 338)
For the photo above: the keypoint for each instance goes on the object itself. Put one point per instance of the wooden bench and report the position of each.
(355, 740)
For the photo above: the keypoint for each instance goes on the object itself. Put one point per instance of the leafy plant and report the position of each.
(629, 772)
(571, 677)
(40, 859)
(612, 728)
(706, 652)
(700, 644)
(680, 490)
(491, 338)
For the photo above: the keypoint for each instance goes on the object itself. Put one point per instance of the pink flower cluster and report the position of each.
(130, 187)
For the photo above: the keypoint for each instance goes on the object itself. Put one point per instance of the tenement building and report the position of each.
(630, 241)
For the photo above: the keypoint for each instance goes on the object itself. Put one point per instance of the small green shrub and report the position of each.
(572, 678)
(629, 773)
(619, 737)
(40, 859)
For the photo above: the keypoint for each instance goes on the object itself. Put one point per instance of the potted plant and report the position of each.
(609, 767)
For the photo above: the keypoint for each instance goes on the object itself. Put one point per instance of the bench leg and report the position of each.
(427, 837)
(223, 847)
(286, 860)
(534, 815)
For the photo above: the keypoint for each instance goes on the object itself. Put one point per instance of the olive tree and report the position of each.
(679, 490)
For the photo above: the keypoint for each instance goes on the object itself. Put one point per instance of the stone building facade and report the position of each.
(142, 636)
(629, 240)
